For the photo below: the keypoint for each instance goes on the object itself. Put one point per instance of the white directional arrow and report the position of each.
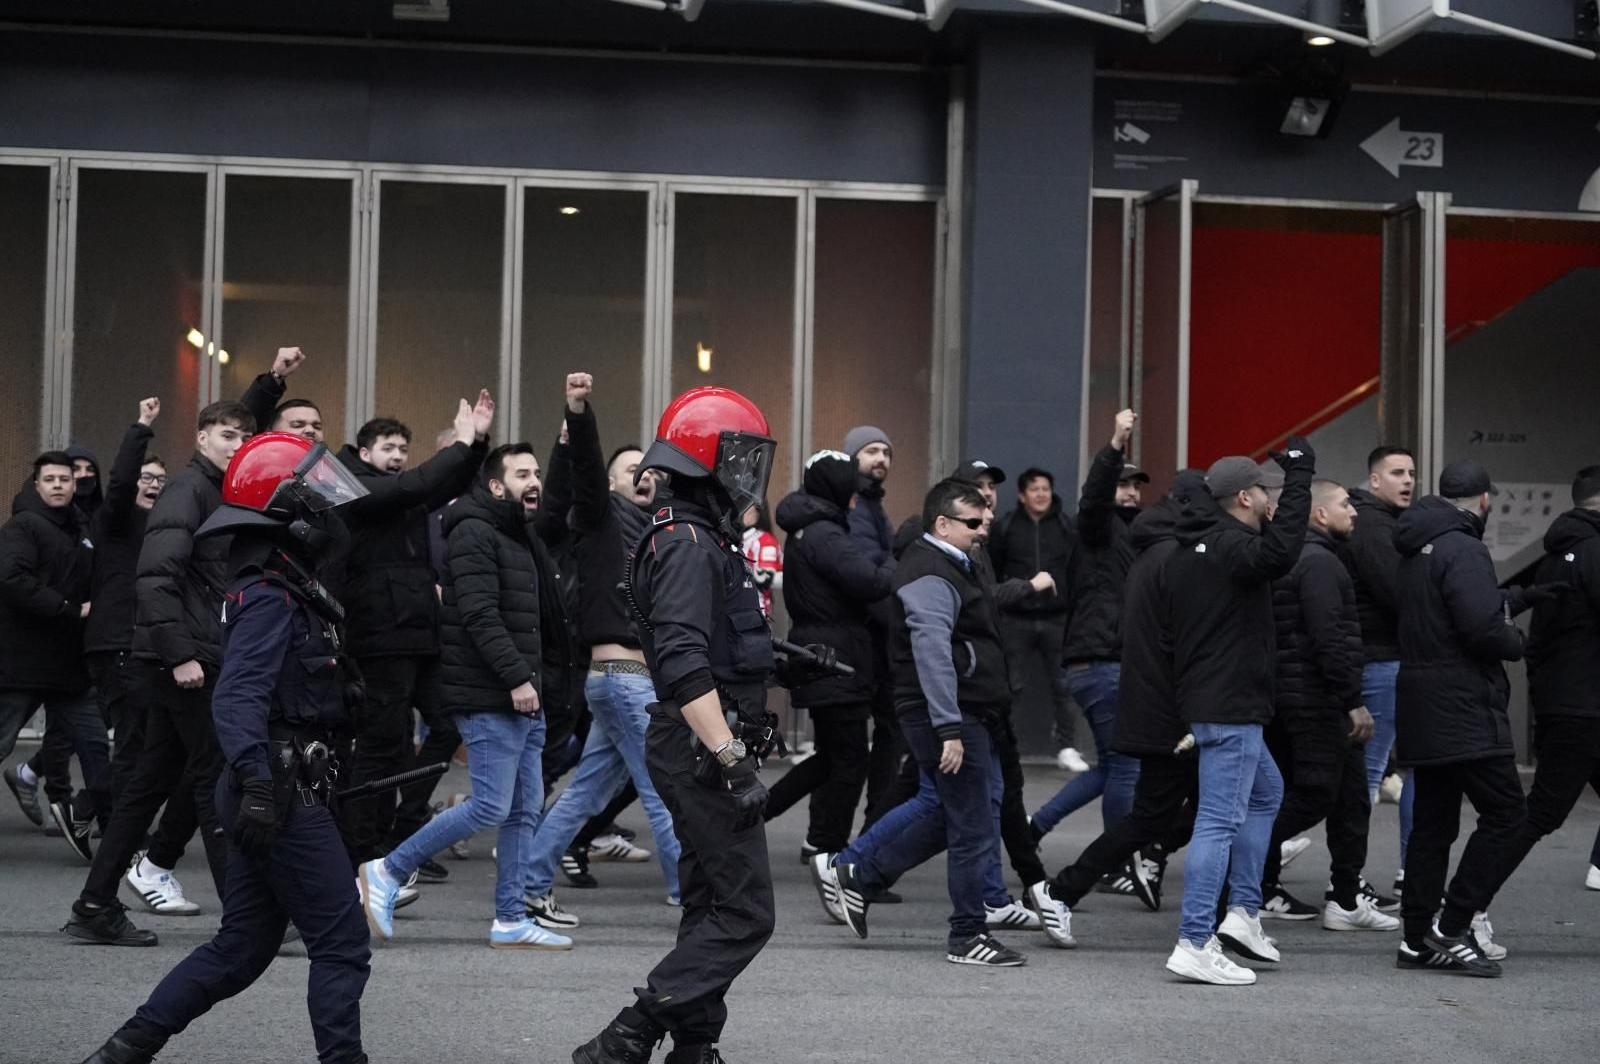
(1392, 147)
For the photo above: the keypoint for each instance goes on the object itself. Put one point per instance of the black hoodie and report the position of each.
(118, 531)
(46, 562)
(828, 582)
(1564, 646)
(1455, 632)
(1374, 564)
(1106, 552)
(87, 501)
(1019, 547)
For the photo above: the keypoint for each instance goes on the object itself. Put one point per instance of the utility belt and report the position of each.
(760, 735)
(304, 767)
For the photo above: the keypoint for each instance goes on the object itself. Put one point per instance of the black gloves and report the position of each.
(257, 827)
(749, 796)
(1297, 454)
(1525, 598)
(762, 578)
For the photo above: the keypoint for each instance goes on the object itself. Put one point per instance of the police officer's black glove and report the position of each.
(257, 827)
(1296, 454)
(827, 658)
(749, 795)
(1525, 598)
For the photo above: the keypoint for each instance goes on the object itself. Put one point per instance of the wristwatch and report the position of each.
(729, 753)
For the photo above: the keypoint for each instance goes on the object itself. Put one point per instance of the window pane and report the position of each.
(583, 278)
(24, 251)
(286, 283)
(440, 249)
(733, 297)
(1108, 330)
(140, 264)
(872, 355)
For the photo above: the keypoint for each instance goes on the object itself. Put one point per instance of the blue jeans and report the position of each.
(1240, 791)
(507, 793)
(962, 816)
(1094, 687)
(1377, 691)
(613, 753)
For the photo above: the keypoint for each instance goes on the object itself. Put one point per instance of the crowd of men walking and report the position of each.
(1248, 652)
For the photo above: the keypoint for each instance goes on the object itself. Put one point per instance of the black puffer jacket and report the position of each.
(1105, 554)
(1319, 637)
(1455, 632)
(1219, 594)
(1564, 645)
(46, 561)
(489, 627)
(118, 532)
(1019, 547)
(180, 583)
(607, 528)
(1374, 565)
(387, 579)
(828, 582)
(1147, 721)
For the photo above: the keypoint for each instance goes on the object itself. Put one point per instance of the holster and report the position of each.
(304, 770)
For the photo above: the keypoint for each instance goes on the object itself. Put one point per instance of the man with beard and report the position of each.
(1319, 725)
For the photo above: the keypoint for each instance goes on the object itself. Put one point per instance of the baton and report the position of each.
(795, 650)
(399, 779)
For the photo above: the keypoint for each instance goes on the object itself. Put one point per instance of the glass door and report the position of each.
(1163, 242)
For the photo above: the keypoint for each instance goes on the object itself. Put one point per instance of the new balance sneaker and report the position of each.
(1364, 917)
(1071, 761)
(1465, 953)
(1279, 904)
(616, 848)
(1416, 958)
(1055, 919)
(75, 831)
(826, 881)
(105, 925)
(1291, 849)
(158, 888)
(853, 900)
(1390, 789)
(546, 913)
(431, 871)
(1242, 933)
(378, 890)
(525, 934)
(1206, 964)
(1483, 931)
(407, 894)
(26, 794)
(1381, 902)
(1145, 875)
(1592, 880)
(985, 950)
(1012, 914)
(575, 868)
(1118, 882)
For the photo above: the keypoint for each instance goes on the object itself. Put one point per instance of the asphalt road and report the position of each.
(437, 993)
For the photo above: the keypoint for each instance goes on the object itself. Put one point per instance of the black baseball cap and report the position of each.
(1465, 480)
(1133, 473)
(973, 468)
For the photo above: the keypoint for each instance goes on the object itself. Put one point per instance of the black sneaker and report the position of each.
(575, 868)
(75, 831)
(1417, 958)
(1146, 876)
(853, 899)
(623, 1041)
(1279, 904)
(987, 951)
(431, 871)
(1118, 882)
(105, 925)
(698, 1053)
(27, 796)
(1465, 953)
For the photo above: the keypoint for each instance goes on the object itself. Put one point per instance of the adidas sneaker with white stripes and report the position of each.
(1464, 952)
(985, 950)
(1012, 914)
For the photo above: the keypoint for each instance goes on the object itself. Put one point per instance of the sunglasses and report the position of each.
(973, 523)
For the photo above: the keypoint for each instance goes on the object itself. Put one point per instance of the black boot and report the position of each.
(628, 1039)
(127, 1047)
(105, 925)
(694, 1053)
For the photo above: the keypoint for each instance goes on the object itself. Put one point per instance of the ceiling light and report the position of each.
(1319, 40)
(702, 356)
(569, 211)
(211, 349)
(222, 357)
(196, 337)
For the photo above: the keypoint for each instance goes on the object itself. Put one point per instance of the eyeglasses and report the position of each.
(153, 478)
(973, 523)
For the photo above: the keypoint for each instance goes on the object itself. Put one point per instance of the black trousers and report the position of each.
(1569, 760)
(1041, 636)
(180, 748)
(384, 745)
(726, 885)
(1492, 786)
(1324, 778)
(1021, 847)
(306, 878)
(1162, 814)
(888, 756)
(124, 705)
(833, 776)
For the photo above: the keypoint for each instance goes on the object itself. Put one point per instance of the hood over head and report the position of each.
(1571, 530)
(1429, 518)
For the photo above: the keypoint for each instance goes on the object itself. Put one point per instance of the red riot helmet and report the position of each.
(714, 433)
(278, 480)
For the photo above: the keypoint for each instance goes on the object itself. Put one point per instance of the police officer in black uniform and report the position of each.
(710, 654)
(281, 698)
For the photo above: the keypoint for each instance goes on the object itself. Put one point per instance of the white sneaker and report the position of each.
(1483, 931)
(1055, 919)
(616, 848)
(1364, 917)
(826, 880)
(1012, 914)
(1292, 848)
(1243, 933)
(1207, 965)
(546, 913)
(1390, 789)
(1592, 881)
(158, 888)
(1072, 761)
